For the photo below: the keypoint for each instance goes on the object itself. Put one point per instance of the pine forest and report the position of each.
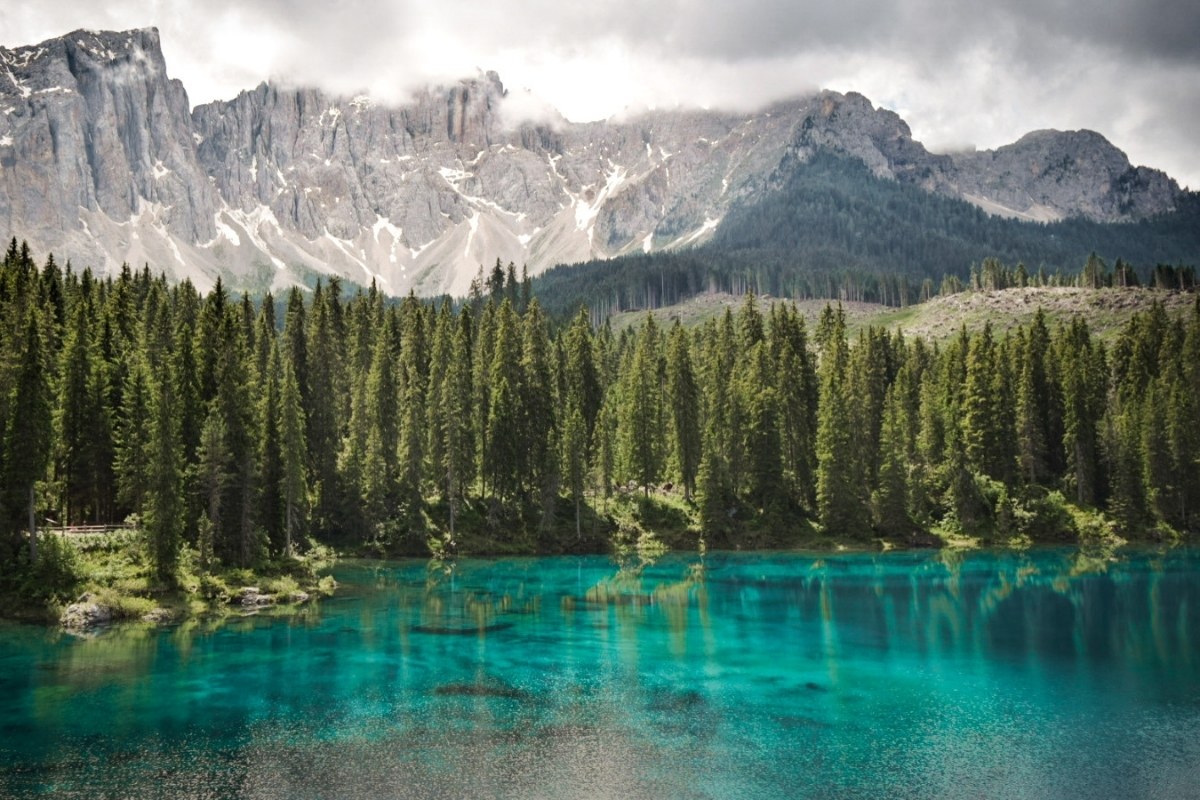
(238, 431)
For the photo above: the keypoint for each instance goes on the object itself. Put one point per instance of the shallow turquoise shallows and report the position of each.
(1046, 674)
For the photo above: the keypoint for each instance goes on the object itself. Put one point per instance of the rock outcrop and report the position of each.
(1045, 175)
(251, 597)
(91, 127)
(1054, 174)
(102, 162)
(85, 614)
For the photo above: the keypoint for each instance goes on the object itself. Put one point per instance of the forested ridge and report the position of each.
(831, 229)
(409, 427)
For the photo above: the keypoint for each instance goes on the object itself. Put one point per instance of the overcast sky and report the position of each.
(960, 75)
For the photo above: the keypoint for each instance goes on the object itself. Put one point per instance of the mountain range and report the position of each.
(104, 162)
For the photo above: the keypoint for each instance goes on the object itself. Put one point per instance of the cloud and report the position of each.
(523, 106)
(958, 73)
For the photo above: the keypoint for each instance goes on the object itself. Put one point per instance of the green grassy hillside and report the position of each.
(1105, 310)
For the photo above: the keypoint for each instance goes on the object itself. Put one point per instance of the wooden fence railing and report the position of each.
(84, 530)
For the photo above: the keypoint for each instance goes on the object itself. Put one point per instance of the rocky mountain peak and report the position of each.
(851, 125)
(102, 161)
(93, 131)
(1050, 174)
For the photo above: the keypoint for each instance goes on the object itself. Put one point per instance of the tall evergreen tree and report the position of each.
(133, 463)
(538, 399)
(641, 421)
(457, 441)
(322, 413)
(1038, 429)
(413, 412)
(210, 476)
(684, 400)
(383, 437)
(481, 390)
(76, 416)
(270, 442)
(28, 433)
(841, 506)
(439, 368)
(293, 462)
(890, 502)
(1081, 365)
(763, 445)
(164, 506)
(505, 459)
(189, 405)
(983, 432)
(797, 388)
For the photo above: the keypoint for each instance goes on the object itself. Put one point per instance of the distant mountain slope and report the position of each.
(830, 227)
(832, 211)
(102, 162)
(939, 319)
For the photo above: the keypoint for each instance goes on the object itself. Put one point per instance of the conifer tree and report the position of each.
(722, 459)
(641, 410)
(412, 410)
(293, 462)
(270, 456)
(495, 283)
(413, 402)
(107, 382)
(796, 385)
(684, 399)
(538, 397)
(439, 368)
(322, 413)
(1184, 432)
(506, 457)
(28, 432)
(355, 513)
(164, 502)
(481, 391)
(583, 378)
(750, 324)
(867, 383)
(182, 369)
(264, 338)
(383, 437)
(1158, 462)
(575, 448)
(982, 422)
(1036, 410)
(210, 475)
(763, 446)
(841, 506)
(232, 402)
(1082, 368)
(133, 464)
(456, 397)
(890, 502)
(1123, 444)
(295, 343)
(582, 398)
(76, 415)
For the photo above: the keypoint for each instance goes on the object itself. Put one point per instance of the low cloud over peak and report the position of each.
(1130, 69)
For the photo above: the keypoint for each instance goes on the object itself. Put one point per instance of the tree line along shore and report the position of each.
(236, 434)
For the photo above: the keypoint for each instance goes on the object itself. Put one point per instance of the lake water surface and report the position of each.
(1045, 674)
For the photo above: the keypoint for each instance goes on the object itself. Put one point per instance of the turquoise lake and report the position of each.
(1047, 674)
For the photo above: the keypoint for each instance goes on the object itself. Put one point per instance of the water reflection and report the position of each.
(728, 675)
